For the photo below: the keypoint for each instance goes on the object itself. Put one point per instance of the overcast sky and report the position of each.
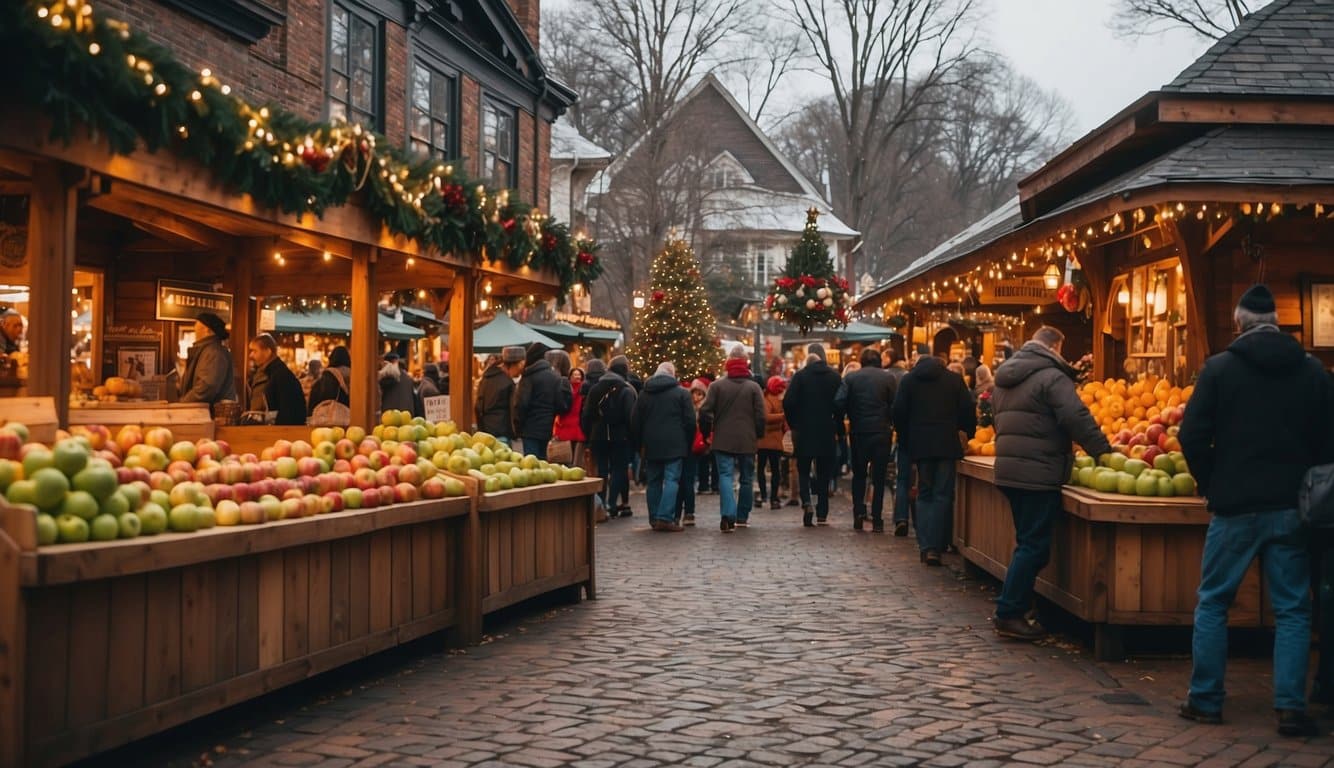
(1066, 45)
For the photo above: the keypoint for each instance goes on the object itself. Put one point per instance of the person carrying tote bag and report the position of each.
(329, 397)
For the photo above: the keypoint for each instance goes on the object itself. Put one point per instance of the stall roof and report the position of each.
(505, 331)
(338, 323)
(1280, 49)
(415, 316)
(856, 331)
(1253, 155)
(984, 231)
(567, 332)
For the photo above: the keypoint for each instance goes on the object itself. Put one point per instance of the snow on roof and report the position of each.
(568, 144)
(761, 210)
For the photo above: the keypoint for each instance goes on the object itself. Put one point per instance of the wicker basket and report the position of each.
(226, 413)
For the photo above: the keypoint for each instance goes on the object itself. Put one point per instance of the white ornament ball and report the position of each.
(782, 299)
(847, 298)
(822, 293)
(801, 293)
(829, 302)
(810, 303)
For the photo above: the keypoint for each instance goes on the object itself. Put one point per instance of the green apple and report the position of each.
(1084, 461)
(70, 456)
(80, 504)
(47, 531)
(104, 528)
(115, 504)
(37, 458)
(1165, 487)
(1117, 461)
(183, 518)
(22, 492)
(1086, 477)
(1165, 463)
(454, 487)
(153, 518)
(10, 472)
(72, 530)
(204, 517)
(1135, 467)
(506, 482)
(130, 525)
(1183, 484)
(1105, 482)
(1125, 483)
(1146, 485)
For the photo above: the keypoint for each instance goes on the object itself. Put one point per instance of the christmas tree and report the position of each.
(676, 322)
(809, 293)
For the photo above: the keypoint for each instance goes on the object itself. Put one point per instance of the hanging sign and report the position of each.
(1017, 290)
(268, 320)
(187, 301)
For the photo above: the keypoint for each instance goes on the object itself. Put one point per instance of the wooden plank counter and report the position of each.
(536, 540)
(102, 644)
(1116, 560)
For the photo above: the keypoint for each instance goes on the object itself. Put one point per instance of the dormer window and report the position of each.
(726, 171)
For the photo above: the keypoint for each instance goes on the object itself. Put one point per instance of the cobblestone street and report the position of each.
(775, 645)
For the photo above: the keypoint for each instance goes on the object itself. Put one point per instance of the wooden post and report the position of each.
(51, 215)
(251, 252)
(365, 337)
(462, 299)
(1094, 264)
(18, 534)
(1192, 238)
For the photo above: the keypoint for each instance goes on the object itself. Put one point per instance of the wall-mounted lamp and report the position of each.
(638, 300)
(1123, 295)
(1051, 279)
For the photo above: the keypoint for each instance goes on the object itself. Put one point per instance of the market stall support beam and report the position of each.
(52, 211)
(365, 334)
(156, 218)
(462, 309)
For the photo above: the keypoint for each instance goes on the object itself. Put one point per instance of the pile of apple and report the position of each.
(1116, 472)
(92, 486)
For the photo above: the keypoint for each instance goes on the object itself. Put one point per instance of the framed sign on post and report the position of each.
(1318, 312)
(184, 302)
(436, 408)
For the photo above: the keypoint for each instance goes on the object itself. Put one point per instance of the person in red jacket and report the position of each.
(567, 424)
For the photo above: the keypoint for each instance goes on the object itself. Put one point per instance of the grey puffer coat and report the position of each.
(1037, 414)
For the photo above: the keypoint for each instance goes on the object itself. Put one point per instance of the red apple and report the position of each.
(308, 465)
(1154, 432)
(364, 478)
(224, 447)
(405, 492)
(112, 457)
(311, 505)
(342, 465)
(252, 513)
(370, 498)
(282, 448)
(386, 495)
(292, 507)
(161, 481)
(159, 437)
(379, 459)
(433, 488)
(410, 473)
(1151, 453)
(408, 453)
(368, 446)
(333, 501)
(345, 449)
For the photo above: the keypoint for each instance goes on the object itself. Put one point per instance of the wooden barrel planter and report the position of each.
(1116, 560)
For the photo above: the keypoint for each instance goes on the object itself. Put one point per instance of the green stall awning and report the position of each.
(338, 323)
(574, 334)
(505, 331)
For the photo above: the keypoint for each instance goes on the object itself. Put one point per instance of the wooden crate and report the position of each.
(1115, 561)
(101, 644)
(187, 421)
(38, 414)
(536, 540)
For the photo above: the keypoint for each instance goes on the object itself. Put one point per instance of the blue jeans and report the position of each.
(935, 502)
(1034, 514)
(902, 485)
(535, 447)
(685, 495)
(731, 507)
(1230, 546)
(664, 477)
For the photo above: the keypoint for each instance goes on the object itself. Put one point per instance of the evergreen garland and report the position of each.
(98, 76)
(676, 323)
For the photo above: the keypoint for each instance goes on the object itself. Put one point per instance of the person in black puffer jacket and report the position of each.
(540, 395)
(866, 397)
(495, 395)
(931, 408)
(1037, 414)
(663, 427)
(1258, 420)
(606, 422)
(809, 407)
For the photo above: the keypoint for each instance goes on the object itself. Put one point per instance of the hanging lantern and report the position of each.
(1051, 279)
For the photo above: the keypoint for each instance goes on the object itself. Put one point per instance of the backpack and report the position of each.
(332, 412)
(609, 410)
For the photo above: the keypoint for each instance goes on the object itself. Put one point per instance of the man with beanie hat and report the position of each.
(541, 394)
(495, 395)
(1258, 420)
(209, 375)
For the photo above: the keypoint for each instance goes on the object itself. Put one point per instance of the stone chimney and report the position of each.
(529, 13)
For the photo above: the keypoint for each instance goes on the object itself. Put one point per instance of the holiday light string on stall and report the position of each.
(152, 101)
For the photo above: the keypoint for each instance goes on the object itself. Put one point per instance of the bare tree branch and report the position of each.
(1210, 19)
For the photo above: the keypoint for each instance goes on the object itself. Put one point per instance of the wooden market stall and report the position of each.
(105, 642)
(1162, 216)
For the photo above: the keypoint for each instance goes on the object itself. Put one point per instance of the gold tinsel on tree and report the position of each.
(676, 323)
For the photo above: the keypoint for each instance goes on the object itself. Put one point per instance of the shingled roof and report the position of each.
(1275, 155)
(1284, 48)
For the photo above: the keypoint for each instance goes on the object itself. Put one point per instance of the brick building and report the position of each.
(460, 79)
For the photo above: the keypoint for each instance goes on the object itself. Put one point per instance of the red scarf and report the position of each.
(738, 368)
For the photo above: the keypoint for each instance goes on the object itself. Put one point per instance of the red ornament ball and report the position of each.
(586, 258)
(658, 296)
